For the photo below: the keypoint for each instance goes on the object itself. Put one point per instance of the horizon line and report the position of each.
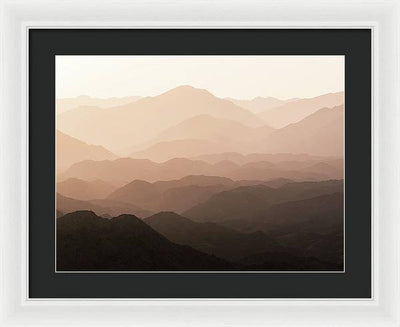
(197, 88)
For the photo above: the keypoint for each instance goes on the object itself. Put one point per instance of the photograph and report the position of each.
(199, 163)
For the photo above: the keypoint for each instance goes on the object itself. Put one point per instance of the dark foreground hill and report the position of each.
(211, 238)
(309, 228)
(283, 261)
(86, 242)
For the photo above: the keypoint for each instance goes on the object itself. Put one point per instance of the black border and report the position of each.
(355, 44)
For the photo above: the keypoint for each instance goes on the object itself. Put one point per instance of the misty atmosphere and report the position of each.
(185, 180)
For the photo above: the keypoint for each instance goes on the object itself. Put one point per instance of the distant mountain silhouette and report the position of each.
(144, 119)
(123, 171)
(321, 133)
(84, 190)
(70, 150)
(211, 238)
(248, 201)
(65, 104)
(297, 110)
(86, 242)
(260, 104)
(203, 134)
(102, 207)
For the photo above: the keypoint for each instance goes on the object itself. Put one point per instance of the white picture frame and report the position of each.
(381, 16)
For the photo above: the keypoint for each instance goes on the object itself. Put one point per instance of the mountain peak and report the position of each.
(186, 90)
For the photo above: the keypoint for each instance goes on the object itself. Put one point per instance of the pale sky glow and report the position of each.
(241, 77)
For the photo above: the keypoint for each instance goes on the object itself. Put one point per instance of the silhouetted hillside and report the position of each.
(282, 261)
(180, 195)
(309, 228)
(248, 201)
(211, 238)
(86, 242)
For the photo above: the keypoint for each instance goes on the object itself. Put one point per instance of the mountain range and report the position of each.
(187, 122)
(87, 242)
(320, 133)
(122, 127)
(179, 195)
(125, 170)
(187, 181)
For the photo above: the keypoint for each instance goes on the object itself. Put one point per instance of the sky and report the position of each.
(240, 77)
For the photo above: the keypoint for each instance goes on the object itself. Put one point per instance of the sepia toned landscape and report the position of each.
(196, 171)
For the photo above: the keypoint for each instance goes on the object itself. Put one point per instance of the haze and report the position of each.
(241, 77)
(200, 163)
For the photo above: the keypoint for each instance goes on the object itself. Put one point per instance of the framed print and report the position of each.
(201, 167)
(196, 173)
(184, 182)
